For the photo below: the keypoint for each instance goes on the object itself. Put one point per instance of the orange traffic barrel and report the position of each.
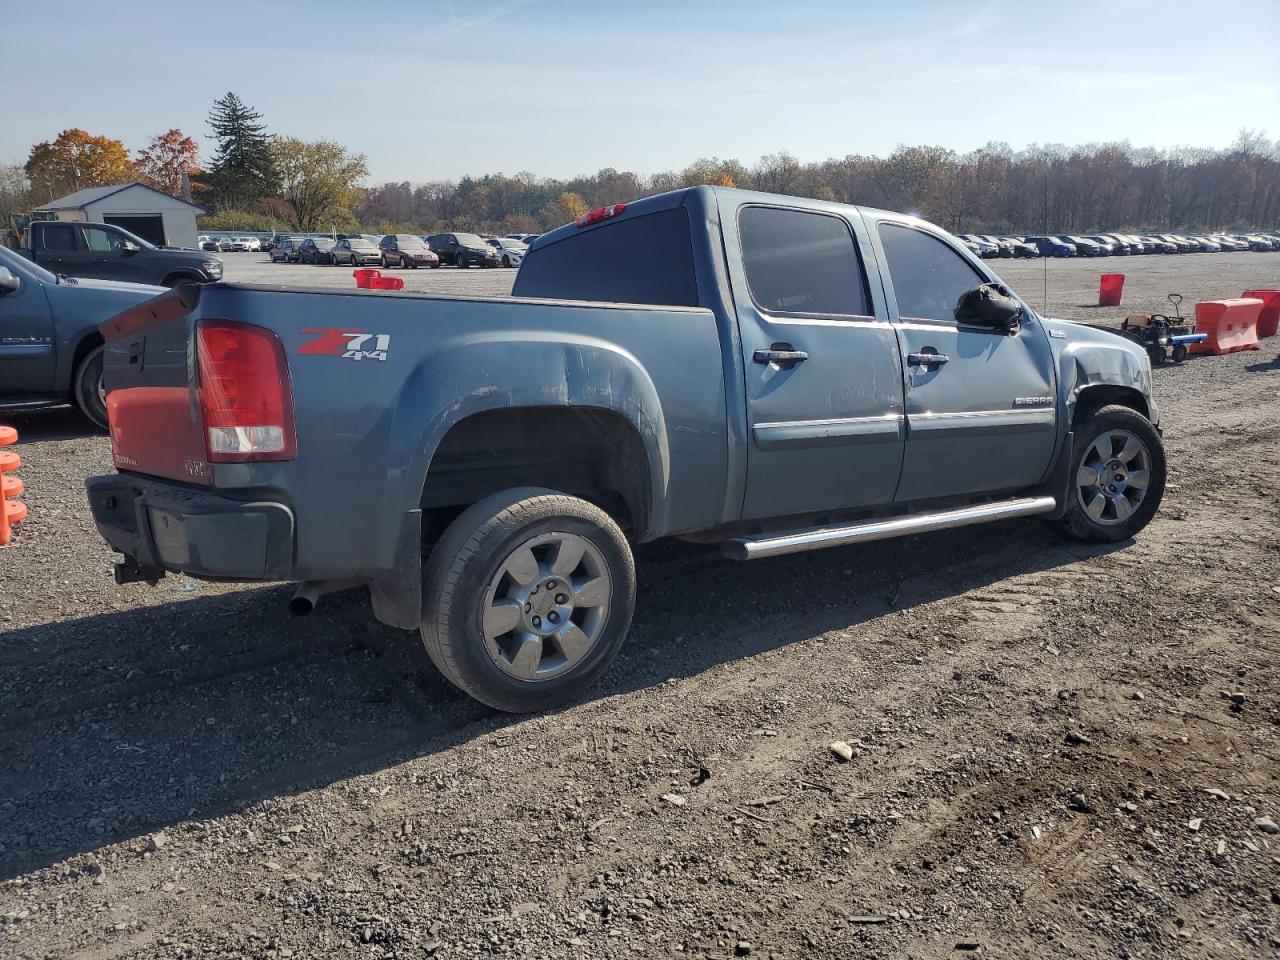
(1110, 289)
(1231, 325)
(11, 511)
(363, 276)
(1269, 315)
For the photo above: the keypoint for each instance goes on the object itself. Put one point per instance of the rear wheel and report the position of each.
(90, 395)
(527, 598)
(1117, 477)
(1179, 352)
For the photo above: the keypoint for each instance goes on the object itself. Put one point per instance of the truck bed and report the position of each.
(377, 381)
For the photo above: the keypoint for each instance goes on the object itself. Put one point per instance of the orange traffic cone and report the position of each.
(10, 511)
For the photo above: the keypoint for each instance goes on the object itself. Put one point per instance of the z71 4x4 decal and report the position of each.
(348, 344)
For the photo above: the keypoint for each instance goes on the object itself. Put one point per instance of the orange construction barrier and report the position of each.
(1269, 318)
(1231, 325)
(10, 512)
(1110, 289)
(364, 276)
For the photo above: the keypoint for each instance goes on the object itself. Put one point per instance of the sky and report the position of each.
(429, 90)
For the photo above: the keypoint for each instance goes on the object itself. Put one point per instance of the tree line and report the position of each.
(259, 180)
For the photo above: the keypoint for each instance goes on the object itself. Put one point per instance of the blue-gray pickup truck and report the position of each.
(771, 373)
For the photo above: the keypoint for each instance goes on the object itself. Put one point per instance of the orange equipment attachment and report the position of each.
(1231, 325)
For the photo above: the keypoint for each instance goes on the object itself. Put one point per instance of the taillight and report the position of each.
(599, 214)
(245, 397)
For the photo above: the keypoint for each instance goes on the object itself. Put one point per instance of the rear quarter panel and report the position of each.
(367, 427)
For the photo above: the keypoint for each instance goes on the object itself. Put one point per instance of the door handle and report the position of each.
(782, 354)
(927, 359)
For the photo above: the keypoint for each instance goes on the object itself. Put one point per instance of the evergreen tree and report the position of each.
(243, 168)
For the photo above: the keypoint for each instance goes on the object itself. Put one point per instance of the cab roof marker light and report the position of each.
(600, 214)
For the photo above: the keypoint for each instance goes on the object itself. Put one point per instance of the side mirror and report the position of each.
(9, 281)
(989, 305)
(128, 246)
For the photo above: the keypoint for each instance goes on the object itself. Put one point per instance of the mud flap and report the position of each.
(1058, 482)
(397, 596)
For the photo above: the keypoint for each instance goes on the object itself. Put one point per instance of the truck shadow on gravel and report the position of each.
(116, 725)
(49, 423)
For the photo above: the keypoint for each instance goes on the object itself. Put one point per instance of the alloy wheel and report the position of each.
(1113, 477)
(546, 606)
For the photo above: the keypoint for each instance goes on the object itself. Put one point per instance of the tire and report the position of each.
(1157, 354)
(506, 261)
(88, 388)
(1179, 352)
(1101, 445)
(468, 575)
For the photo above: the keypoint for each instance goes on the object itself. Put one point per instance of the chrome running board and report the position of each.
(864, 531)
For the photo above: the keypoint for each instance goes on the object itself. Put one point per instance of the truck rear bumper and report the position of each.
(166, 526)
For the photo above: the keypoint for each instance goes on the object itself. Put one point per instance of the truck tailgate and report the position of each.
(149, 375)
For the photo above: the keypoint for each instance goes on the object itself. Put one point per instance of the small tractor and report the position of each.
(1164, 337)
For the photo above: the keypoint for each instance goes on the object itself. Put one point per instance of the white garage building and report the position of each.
(145, 212)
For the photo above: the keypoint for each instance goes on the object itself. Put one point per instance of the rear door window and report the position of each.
(59, 239)
(644, 259)
(928, 276)
(802, 263)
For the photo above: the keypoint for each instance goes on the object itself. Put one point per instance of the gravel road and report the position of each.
(1056, 750)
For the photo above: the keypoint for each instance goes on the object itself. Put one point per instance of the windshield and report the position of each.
(469, 240)
(411, 243)
(360, 244)
(324, 244)
(507, 244)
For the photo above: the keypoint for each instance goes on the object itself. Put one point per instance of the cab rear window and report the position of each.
(647, 259)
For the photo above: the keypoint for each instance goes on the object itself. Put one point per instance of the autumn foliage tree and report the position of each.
(321, 181)
(166, 159)
(76, 159)
(565, 208)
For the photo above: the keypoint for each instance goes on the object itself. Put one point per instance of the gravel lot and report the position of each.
(1058, 750)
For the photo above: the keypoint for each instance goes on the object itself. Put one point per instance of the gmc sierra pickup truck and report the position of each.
(50, 346)
(103, 251)
(771, 373)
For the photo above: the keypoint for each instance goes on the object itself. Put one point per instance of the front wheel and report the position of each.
(90, 395)
(527, 598)
(1118, 473)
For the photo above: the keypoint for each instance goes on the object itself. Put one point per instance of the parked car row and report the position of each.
(405, 250)
(1115, 244)
(232, 244)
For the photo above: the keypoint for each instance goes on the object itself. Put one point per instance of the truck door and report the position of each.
(980, 401)
(823, 377)
(108, 260)
(27, 352)
(56, 247)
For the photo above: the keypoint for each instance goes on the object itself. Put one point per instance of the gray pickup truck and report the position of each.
(103, 251)
(770, 373)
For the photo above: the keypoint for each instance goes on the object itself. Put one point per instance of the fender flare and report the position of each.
(501, 371)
